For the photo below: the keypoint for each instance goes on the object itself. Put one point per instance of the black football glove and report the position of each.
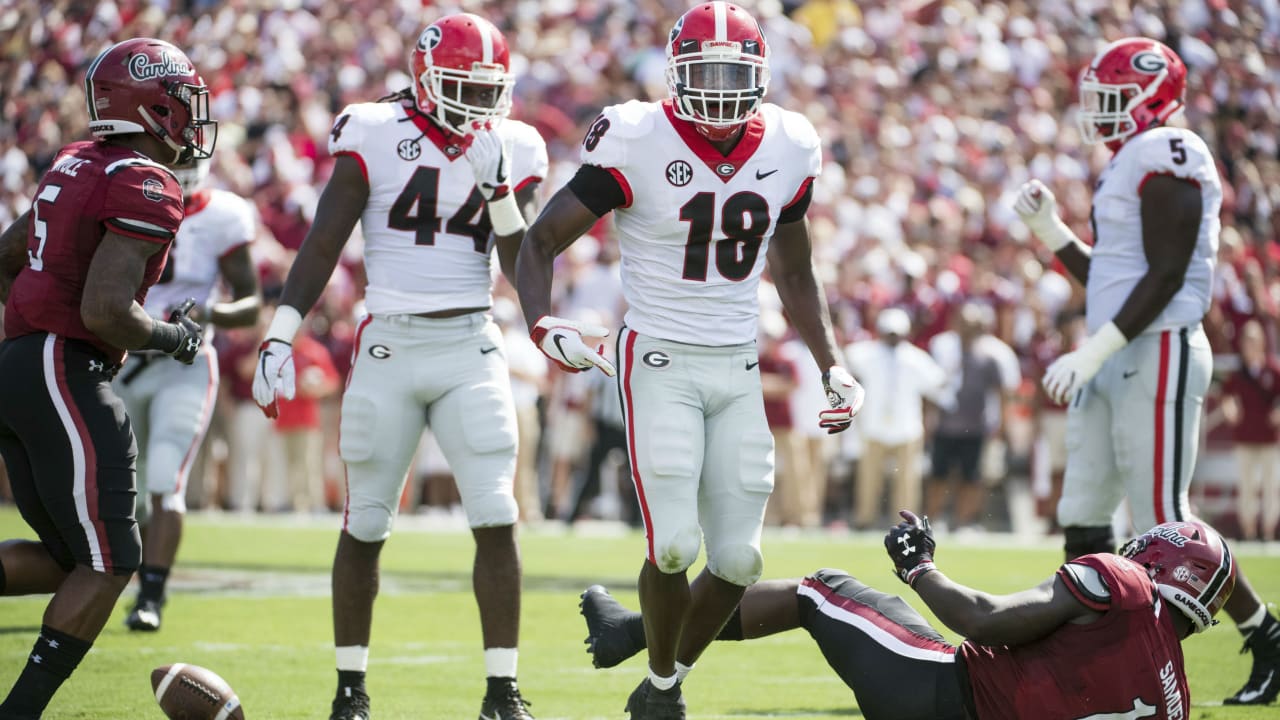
(191, 335)
(910, 546)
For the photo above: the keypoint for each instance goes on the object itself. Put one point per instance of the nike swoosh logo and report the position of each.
(263, 361)
(486, 351)
(1246, 697)
(1129, 373)
(556, 339)
(761, 176)
(487, 717)
(752, 365)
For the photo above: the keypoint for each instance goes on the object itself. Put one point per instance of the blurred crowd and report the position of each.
(933, 114)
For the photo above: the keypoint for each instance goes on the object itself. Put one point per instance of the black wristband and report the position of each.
(165, 337)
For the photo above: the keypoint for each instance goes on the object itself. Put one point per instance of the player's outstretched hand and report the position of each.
(1074, 370)
(910, 545)
(488, 158)
(561, 340)
(191, 335)
(1038, 208)
(845, 396)
(274, 375)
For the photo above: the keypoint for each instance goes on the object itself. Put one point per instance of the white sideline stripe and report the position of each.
(227, 709)
(722, 21)
(887, 641)
(168, 679)
(78, 491)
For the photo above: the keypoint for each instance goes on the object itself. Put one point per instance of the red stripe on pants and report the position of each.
(346, 478)
(1161, 378)
(629, 354)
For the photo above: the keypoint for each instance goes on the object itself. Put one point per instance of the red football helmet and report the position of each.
(1131, 85)
(717, 68)
(461, 72)
(148, 86)
(1191, 566)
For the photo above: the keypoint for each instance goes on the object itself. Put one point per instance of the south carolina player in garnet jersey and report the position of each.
(74, 271)
(170, 404)
(1135, 388)
(1099, 639)
(703, 186)
(434, 175)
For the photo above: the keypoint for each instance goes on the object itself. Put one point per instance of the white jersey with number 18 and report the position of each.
(696, 225)
(1119, 260)
(426, 229)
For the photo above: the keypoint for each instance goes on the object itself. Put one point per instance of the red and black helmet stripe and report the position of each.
(1220, 577)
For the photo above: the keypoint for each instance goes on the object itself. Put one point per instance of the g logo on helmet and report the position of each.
(1149, 62)
(429, 38)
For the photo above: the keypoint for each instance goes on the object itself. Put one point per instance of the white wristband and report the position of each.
(1104, 343)
(505, 215)
(285, 324)
(1053, 233)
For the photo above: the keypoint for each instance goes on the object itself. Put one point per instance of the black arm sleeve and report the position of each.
(597, 189)
(798, 207)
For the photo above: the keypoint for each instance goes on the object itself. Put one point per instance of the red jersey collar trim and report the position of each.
(448, 143)
(198, 201)
(724, 166)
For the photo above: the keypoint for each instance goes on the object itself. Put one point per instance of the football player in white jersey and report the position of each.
(1136, 386)
(169, 403)
(434, 174)
(704, 186)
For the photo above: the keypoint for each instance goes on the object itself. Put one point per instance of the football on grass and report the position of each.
(190, 692)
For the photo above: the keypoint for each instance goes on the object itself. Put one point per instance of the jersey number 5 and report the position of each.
(39, 227)
(420, 196)
(743, 220)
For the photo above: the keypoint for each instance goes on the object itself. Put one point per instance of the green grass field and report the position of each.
(251, 602)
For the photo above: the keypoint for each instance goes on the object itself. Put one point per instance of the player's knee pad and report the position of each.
(739, 564)
(491, 509)
(676, 552)
(368, 523)
(1088, 540)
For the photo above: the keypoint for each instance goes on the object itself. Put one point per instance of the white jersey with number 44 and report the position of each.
(217, 222)
(1119, 260)
(427, 244)
(696, 226)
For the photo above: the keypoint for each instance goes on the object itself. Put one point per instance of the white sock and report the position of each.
(1255, 620)
(662, 683)
(353, 657)
(500, 662)
(682, 670)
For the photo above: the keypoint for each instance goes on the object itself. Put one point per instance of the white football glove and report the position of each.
(489, 163)
(274, 375)
(845, 396)
(1038, 208)
(561, 340)
(1074, 370)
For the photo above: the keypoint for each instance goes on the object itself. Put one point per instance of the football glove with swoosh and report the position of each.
(561, 340)
(274, 375)
(845, 396)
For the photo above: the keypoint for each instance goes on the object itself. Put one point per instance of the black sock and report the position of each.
(1266, 635)
(52, 660)
(353, 679)
(153, 580)
(498, 685)
(732, 629)
(4, 580)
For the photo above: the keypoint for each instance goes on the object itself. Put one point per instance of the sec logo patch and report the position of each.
(408, 150)
(679, 173)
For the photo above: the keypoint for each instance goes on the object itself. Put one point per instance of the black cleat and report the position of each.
(1264, 680)
(649, 703)
(350, 704)
(503, 701)
(145, 616)
(608, 639)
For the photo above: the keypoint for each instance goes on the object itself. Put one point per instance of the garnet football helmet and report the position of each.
(717, 68)
(1131, 85)
(1190, 565)
(148, 86)
(461, 72)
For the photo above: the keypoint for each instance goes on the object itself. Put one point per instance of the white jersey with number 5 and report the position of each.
(1119, 260)
(426, 228)
(217, 222)
(696, 226)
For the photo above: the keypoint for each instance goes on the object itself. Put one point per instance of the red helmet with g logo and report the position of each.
(1190, 565)
(1131, 85)
(717, 68)
(461, 72)
(148, 86)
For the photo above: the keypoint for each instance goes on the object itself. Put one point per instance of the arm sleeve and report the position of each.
(600, 190)
(795, 210)
(143, 201)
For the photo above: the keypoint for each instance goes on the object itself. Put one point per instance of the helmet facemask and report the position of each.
(458, 98)
(718, 89)
(196, 139)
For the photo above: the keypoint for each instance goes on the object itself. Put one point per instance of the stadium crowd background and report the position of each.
(933, 114)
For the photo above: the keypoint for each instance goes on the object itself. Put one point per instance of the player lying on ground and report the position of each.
(1095, 640)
